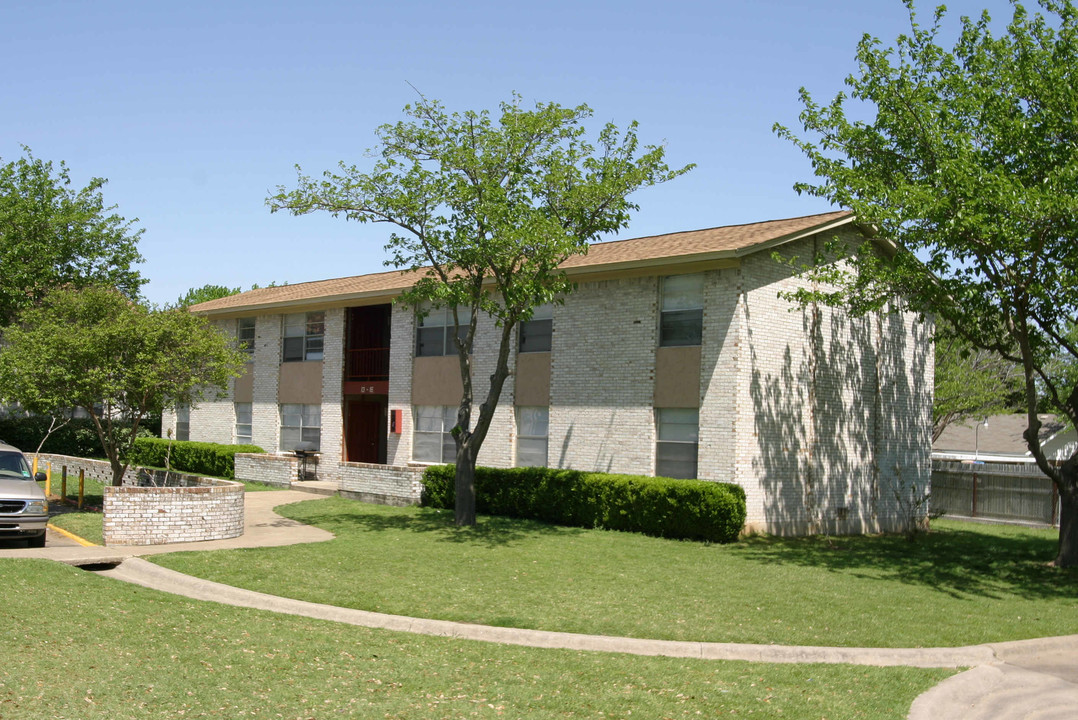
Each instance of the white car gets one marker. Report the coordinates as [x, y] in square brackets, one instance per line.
[24, 510]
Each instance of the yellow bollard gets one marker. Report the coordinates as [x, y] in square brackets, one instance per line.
[82, 479]
[48, 479]
[63, 483]
[35, 466]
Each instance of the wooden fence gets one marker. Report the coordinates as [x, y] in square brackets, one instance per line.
[1015, 492]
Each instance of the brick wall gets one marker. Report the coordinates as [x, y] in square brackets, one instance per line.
[602, 378]
[332, 433]
[212, 510]
[268, 469]
[141, 512]
[265, 416]
[830, 408]
[401, 352]
[383, 484]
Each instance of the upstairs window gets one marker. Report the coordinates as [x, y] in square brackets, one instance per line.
[245, 335]
[678, 440]
[433, 436]
[536, 334]
[434, 332]
[303, 336]
[682, 321]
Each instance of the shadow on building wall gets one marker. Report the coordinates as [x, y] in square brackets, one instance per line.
[840, 421]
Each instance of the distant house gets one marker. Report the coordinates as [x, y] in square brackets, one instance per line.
[675, 356]
[999, 438]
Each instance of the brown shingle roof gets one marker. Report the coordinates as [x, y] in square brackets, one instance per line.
[731, 241]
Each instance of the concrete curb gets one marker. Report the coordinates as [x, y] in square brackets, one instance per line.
[146, 574]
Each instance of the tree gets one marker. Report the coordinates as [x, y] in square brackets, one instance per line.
[53, 235]
[969, 164]
[971, 383]
[93, 348]
[489, 209]
[205, 293]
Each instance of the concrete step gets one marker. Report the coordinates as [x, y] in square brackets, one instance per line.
[316, 487]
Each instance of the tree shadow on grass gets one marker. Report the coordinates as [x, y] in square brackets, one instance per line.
[954, 561]
[491, 531]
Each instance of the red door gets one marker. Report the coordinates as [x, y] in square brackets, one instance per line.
[364, 430]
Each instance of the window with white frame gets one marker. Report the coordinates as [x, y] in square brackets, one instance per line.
[183, 422]
[303, 336]
[678, 439]
[300, 424]
[245, 335]
[682, 319]
[243, 423]
[432, 439]
[434, 331]
[532, 430]
[536, 334]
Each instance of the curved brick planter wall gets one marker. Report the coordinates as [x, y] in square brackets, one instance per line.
[197, 509]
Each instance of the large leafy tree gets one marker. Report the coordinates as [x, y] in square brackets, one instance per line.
[94, 349]
[968, 162]
[53, 235]
[972, 383]
[487, 208]
[207, 292]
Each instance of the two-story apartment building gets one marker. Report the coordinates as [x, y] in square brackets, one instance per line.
[675, 355]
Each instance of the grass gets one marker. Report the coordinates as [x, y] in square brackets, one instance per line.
[88, 647]
[962, 584]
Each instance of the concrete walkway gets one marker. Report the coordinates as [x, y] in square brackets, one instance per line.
[1023, 680]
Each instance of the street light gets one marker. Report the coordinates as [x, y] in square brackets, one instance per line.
[977, 439]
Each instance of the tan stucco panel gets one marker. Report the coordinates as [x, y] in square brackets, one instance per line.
[436, 381]
[533, 379]
[300, 382]
[677, 377]
[244, 389]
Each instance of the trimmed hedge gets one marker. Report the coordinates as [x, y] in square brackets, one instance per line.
[78, 438]
[689, 509]
[198, 458]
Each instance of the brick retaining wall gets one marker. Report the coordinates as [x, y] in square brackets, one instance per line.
[382, 484]
[270, 469]
[140, 512]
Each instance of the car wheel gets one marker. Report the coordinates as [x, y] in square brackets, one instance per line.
[37, 542]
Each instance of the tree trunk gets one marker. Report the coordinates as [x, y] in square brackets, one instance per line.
[1068, 515]
[464, 507]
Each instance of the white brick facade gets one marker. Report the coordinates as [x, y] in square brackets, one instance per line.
[820, 417]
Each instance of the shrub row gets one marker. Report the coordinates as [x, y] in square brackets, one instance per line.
[689, 509]
[198, 458]
[78, 438]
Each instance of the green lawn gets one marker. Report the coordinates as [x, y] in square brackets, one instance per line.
[88, 647]
[962, 584]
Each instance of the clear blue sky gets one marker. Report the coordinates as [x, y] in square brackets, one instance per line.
[195, 110]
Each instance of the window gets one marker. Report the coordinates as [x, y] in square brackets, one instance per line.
[678, 433]
[303, 335]
[183, 422]
[535, 334]
[433, 439]
[682, 321]
[300, 424]
[532, 430]
[245, 335]
[434, 332]
[243, 423]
